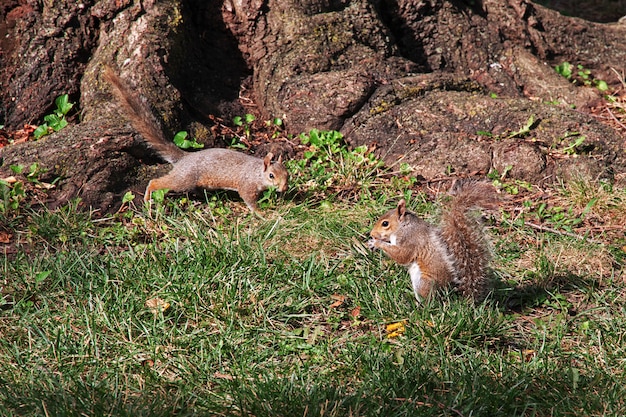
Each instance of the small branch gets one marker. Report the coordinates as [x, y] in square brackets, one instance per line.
[622, 125]
[561, 232]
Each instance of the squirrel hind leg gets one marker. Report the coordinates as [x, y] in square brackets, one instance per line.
[149, 189]
[422, 285]
[169, 182]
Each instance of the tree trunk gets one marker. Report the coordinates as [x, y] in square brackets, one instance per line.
[446, 86]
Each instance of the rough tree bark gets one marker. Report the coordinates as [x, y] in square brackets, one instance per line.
[417, 79]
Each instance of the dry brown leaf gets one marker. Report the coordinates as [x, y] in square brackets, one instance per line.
[5, 237]
[339, 300]
[157, 305]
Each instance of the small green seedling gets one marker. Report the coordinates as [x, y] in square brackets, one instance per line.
[41, 276]
[245, 122]
[180, 140]
[511, 186]
[573, 147]
[56, 120]
[11, 195]
[530, 123]
[277, 123]
[580, 74]
[565, 69]
[158, 196]
[128, 197]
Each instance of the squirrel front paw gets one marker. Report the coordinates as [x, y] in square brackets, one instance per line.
[371, 244]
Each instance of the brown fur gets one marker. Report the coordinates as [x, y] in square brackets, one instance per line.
[211, 169]
[456, 252]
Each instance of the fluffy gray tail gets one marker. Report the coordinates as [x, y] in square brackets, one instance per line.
[141, 118]
[462, 230]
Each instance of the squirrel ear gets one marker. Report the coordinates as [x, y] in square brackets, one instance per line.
[280, 158]
[401, 207]
[267, 160]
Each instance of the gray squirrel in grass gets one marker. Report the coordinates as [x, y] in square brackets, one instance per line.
[456, 252]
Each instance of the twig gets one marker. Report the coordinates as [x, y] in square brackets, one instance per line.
[622, 125]
[560, 232]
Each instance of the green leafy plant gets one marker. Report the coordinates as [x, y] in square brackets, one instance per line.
[11, 194]
[328, 165]
[277, 123]
[56, 120]
[580, 74]
[245, 122]
[574, 143]
[511, 186]
[13, 190]
[560, 217]
[530, 123]
[236, 143]
[565, 69]
[180, 139]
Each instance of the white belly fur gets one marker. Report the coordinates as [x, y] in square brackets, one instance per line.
[416, 278]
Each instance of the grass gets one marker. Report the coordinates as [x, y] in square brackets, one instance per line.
[286, 316]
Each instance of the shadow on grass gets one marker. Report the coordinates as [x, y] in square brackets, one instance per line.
[517, 298]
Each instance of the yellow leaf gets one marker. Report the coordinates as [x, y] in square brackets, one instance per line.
[398, 326]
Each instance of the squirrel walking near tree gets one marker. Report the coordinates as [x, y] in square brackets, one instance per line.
[457, 252]
[212, 169]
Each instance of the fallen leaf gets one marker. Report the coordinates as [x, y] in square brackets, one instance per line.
[23, 135]
[339, 299]
[529, 354]
[44, 185]
[356, 311]
[5, 237]
[398, 326]
[395, 329]
[157, 305]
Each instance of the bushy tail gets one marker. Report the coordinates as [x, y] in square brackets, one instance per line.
[463, 232]
[142, 119]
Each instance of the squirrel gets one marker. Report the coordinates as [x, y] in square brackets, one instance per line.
[457, 252]
[212, 169]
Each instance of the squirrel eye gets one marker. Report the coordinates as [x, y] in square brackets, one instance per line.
[385, 223]
[271, 175]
